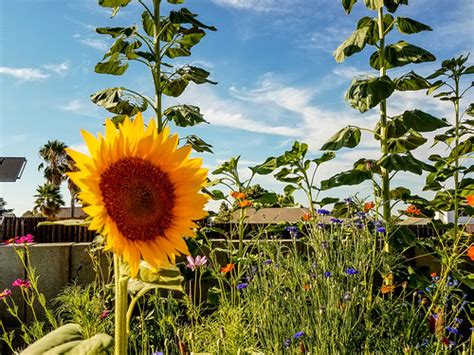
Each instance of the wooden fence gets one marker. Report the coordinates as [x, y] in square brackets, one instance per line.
[11, 227]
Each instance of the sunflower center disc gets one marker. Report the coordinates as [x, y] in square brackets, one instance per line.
[139, 197]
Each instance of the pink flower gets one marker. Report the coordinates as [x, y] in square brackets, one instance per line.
[6, 292]
[195, 263]
[105, 313]
[21, 283]
[24, 239]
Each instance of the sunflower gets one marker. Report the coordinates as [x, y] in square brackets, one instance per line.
[141, 191]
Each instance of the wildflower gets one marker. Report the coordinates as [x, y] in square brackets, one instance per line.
[242, 285]
[470, 200]
[327, 274]
[227, 268]
[307, 217]
[6, 292]
[268, 262]
[24, 239]
[323, 212]
[245, 203]
[21, 283]
[195, 263]
[158, 353]
[141, 190]
[348, 201]
[381, 230]
[105, 313]
[470, 252]
[387, 289]
[336, 220]
[287, 343]
[298, 335]
[324, 244]
[453, 283]
[347, 296]
[368, 206]
[322, 310]
[293, 231]
[433, 275]
[360, 214]
[351, 271]
[458, 320]
[411, 209]
[321, 225]
[238, 195]
[405, 284]
[307, 286]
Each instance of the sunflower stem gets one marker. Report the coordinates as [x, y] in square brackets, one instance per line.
[121, 281]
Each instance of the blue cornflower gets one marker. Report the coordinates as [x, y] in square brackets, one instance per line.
[452, 330]
[327, 274]
[453, 283]
[336, 220]
[322, 211]
[298, 335]
[378, 223]
[293, 231]
[359, 224]
[287, 343]
[458, 320]
[268, 262]
[381, 230]
[321, 225]
[157, 353]
[348, 201]
[360, 214]
[242, 286]
[351, 271]
[425, 343]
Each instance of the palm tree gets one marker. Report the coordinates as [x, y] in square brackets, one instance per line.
[54, 154]
[3, 207]
[72, 187]
[48, 200]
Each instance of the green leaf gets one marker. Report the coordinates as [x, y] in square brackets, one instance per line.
[392, 5]
[174, 52]
[364, 94]
[435, 86]
[346, 137]
[354, 44]
[114, 65]
[400, 54]
[114, 3]
[351, 177]
[422, 122]
[115, 100]
[410, 82]
[175, 87]
[399, 192]
[267, 167]
[191, 37]
[405, 162]
[289, 189]
[66, 222]
[124, 47]
[469, 70]
[327, 201]
[195, 74]
[327, 156]
[374, 4]
[176, 2]
[284, 176]
[216, 194]
[184, 115]
[198, 144]
[268, 198]
[408, 26]
[470, 111]
[148, 23]
[116, 31]
[406, 143]
[168, 278]
[347, 5]
[183, 15]
[227, 166]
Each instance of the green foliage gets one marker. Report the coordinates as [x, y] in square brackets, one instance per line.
[148, 278]
[364, 94]
[48, 200]
[346, 137]
[400, 54]
[150, 43]
[3, 207]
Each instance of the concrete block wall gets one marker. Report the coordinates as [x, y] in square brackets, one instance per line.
[56, 265]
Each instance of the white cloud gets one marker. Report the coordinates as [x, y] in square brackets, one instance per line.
[60, 68]
[257, 5]
[95, 43]
[80, 107]
[80, 148]
[24, 74]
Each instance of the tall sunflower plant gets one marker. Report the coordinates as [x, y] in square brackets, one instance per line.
[143, 195]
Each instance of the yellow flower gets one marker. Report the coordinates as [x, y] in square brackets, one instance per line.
[387, 289]
[142, 192]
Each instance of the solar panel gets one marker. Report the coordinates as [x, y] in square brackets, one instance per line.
[11, 168]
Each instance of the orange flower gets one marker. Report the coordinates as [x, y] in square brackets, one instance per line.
[413, 210]
[307, 287]
[433, 274]
[245, 203]
[234, 194]
[470, 200]
[368, 206]
[470, 252]
[238, 195]
[227, 268]
[307, 217]
[387, 289]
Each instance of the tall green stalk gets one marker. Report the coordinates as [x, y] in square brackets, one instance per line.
[156, 69]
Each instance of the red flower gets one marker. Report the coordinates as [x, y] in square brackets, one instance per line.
[413, 210]
[368, 206]
[470, 200]
[470, 252]
[227, 268]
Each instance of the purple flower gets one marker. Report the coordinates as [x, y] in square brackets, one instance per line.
[347, 296]
[360, 214]
[378, 223]
[323, 212]
[336, 220]
[293, 231]
[242, 285]
[196, 263]
[348, 201]
[321, 225]
[268, 262]
[452, 330]
[381, 230]
[158, 353]
[351, 271]
[5, 293]
[298, 335]
[287, 343]
[24, 239]
[327, 274]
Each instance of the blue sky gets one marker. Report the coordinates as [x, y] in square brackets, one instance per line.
[278, 81]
